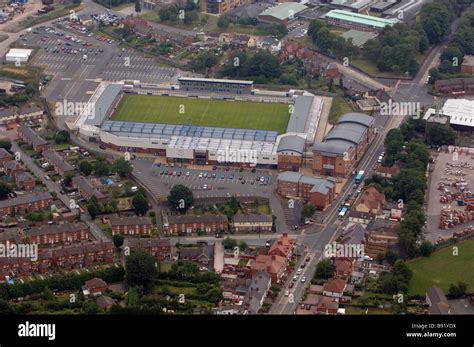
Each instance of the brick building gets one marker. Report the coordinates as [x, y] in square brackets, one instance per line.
[160, 249]
[132, 226]
[190, 224]
[23, 204]
[290, 153]
[86, 189]
[467, 65]
[12, 168]
[63, 233]
[31, 137]
[455, 86]
[60, 166]
[25, 181]
[84, 255]
[252, 223]
[345, 144]
[318, 191]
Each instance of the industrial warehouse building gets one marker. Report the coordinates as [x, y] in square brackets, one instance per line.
[460, 113]
[351, 20]
[18, 55]
[344, 145]
[282, 13]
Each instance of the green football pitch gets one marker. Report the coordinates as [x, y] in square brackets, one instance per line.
[203, 112]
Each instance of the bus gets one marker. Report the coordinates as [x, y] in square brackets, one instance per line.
[343, 212]
[359, 176]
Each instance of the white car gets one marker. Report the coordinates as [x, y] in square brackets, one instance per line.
[204, 187]
[200, 175]
[287, 293]
[299, 271]
[303, 279]
[295, 278]
[188, 173]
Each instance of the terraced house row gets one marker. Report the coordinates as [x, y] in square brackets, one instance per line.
[67, 257]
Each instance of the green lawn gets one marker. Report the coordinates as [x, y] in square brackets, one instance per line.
[202, 112]
[443, 268]
[339, 107]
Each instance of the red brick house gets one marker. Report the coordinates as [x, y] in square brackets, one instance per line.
[4, 156]
[64, 233]
[86, 189]
[132, 226]
[190, 224]
[23, 204]
[282, 247]
[30, 136]
[160, 249]
[12, 168]
[388, 172]
[84, 255]
[25, 181]
[275, 265]
[334, 288]
[95, 286]
[60, 166]
[372, 201]
[343, 267]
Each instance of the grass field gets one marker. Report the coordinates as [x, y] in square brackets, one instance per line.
[443, 268]
[202, 112]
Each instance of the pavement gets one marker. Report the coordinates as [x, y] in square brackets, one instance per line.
[54, 187]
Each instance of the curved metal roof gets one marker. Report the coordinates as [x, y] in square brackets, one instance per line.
[352, 132]
[291, 143]
[355, 117]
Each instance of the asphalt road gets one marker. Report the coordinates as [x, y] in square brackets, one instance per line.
[54, 187]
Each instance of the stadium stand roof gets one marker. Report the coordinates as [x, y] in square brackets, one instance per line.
[301, 111]
[214, 80]
[102, 103]
[137, 129]
[372, 21]
[291, 143]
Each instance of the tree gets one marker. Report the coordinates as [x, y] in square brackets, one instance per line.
[93, 206]
[89, 307]
[325, 269]
[426, 248]
[118, 240]
[214, 295]
[5, 189]
[6, 144]
[48, 294]
[229, 243]
[138, 6]
[307, 212]
[457, 291]
[181, 198]
[223, 22]
[122, 167]
[67, 181]
[140, 204]
[440, 135]
[85, 168]
[62, 136]
[101, 168]
[140, 269]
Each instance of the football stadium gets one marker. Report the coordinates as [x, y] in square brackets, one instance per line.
[196, 120]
